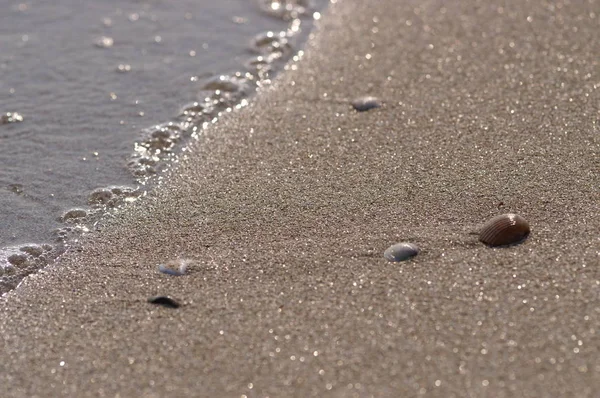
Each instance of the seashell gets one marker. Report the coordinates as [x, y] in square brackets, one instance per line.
[366, 103]
[164, 301]
[505, 229]
[174, 267]
[401, 251]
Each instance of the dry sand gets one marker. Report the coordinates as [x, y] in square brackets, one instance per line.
[288, 205]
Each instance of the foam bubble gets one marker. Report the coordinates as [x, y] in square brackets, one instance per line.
[112, 196]
[17, 259]
[224, 91]
[16, 262]
[33, 250]
[15, 188]
[104, 42]
[73, 214]
[123, 68]
[259, 63]
[11, 117]
[286, 9]
[100, 196]
[226, 83]
[70, 233]
[273, 44]
[196, 109]
[157, 143]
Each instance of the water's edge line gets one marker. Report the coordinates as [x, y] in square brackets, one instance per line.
[107, 203]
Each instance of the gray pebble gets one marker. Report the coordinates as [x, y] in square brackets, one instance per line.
[165, 301]
[366, 103]
[176, 267]
[401, 251]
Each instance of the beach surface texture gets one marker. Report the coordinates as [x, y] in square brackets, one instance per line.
[285, 208]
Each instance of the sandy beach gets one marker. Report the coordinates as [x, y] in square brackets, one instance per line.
[287, 205]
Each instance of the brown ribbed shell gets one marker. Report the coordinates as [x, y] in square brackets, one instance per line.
[504, 229]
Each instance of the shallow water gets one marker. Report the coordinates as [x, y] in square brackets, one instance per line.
[91, 79]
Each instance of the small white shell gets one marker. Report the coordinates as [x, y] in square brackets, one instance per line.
[401, 251]
[174, 267]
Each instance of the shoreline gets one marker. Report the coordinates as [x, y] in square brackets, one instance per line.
[286, 206]
[40, 231]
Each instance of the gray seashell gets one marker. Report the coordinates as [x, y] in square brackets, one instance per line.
[366, 103]
[401, 251]
[174, 267]
[505, 229]
[169, 271]
[165, 301]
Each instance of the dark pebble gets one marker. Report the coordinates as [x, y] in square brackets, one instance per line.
[164, 301]
[366, 103]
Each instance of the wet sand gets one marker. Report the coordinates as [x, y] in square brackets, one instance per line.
[288, 205]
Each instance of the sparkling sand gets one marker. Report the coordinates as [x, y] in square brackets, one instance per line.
[286, 207]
